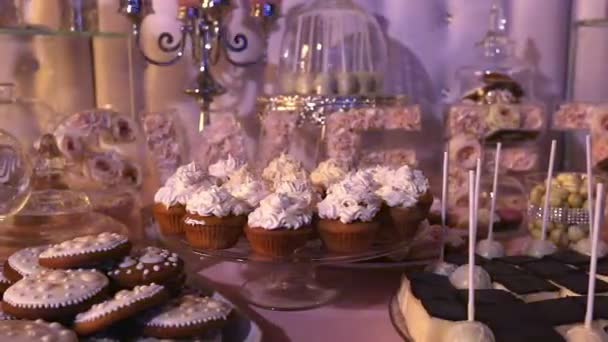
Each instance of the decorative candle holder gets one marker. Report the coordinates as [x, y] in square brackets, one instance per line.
[203, 27]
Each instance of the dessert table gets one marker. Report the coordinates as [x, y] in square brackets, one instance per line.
[360, 313]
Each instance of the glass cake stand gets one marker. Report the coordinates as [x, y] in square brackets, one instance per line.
[16, 234]
[291, 282]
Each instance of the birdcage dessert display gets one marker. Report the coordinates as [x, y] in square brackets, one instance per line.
[331, 102]
[332, 48]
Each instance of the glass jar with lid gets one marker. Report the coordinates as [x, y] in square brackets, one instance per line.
[496, 75]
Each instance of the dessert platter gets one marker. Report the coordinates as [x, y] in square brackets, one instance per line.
[101, 287]
[293, 220]
[546, 294]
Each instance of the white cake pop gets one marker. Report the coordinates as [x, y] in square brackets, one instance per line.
[579, 333]
[441, 267]
[490, 249]
[583, 246]
[459, 278]
[304, 84]
[348, 83]
[469, 331]
[325, 84]
[288, 83]
[540, 248]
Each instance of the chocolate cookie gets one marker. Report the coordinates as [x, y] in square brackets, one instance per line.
[187, 317]
[35, 331]
[22, 263]
[55, 295]
[125, 304]
[149, 265]
[85, 251]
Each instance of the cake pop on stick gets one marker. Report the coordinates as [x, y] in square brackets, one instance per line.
[583, 246]
[325, 82]
[470, 330]
[586, 332]
[304, 81]
[346, 80]
[540, 247]
[440, 266]
[490, 248]
[471, 275]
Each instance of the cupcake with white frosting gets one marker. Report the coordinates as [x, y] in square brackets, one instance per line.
[283, 168]
[244, 186]
[279, 226]
[327, 173]
[214, 218]
[348, 218]
[170, 200]
[406, 202]
[224, 168]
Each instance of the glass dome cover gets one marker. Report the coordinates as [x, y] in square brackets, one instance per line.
[332, 47]
[496, 75]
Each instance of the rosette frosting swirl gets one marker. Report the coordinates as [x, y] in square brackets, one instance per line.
[189, 175]
[327, 173]
[349, 204]
[180, 186]
[244, 186]
[403, 187]
[224, 168]
[215, 201]
[280, 210]
[283, 168]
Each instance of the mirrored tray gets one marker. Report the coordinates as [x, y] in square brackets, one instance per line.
[291, 283]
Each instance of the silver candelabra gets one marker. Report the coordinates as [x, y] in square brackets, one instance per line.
[202, 24]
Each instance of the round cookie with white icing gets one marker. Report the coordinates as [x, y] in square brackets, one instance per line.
[22, 263]
[125, 304]
[85, 251]
[187, 317]
[5, 283]
[35, 331]
[149, 265]
[55, 295]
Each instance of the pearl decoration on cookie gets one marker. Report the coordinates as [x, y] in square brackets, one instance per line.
[121, 300]
[85, 245]
[150, 259]
[25, 261]
[28, 292]
[190, 310]
[36, 331]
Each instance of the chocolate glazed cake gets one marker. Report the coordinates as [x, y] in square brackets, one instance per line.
[532, 299]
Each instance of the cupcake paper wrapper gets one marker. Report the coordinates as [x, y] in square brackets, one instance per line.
[170, 220]
[347, 238]
[216, 233]
[277, 242]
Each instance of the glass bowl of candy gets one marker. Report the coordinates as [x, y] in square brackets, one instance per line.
[568, 206]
